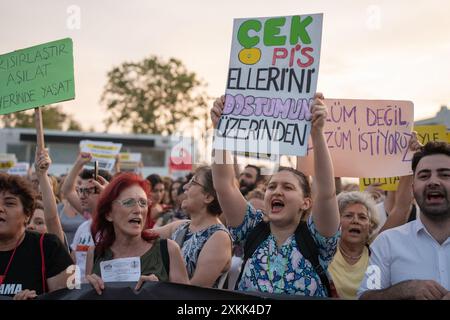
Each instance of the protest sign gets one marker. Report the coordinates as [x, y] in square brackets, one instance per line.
[7, 161]
[130, 161]
[387, 184]
[36, 76]
[431, 133]
[20, 169]
[424, 135]
[103, 152]
[272, 78]
[366, 138]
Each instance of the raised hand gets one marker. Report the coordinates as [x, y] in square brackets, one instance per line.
[42, 162]
[83, 158]
[319, 113]
[414, 144]
[216, 110]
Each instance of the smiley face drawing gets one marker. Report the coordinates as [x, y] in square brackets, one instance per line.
[249, 55]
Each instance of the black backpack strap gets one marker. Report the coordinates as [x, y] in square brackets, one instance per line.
[310, 252]
[165, 254]
[256, 236]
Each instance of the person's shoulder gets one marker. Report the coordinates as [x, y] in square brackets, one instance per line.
[31, 237]
[85, 224]
[394, 234]
[403, 230]
[51, 239]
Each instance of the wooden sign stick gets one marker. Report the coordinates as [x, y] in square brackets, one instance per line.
[39, 133]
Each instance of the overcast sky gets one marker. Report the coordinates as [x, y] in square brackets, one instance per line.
[370, 49]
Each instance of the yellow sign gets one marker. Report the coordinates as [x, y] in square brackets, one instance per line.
[7, 164]
[388, 184]
[431, 133]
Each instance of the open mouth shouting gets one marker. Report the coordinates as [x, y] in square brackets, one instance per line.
[354, 231]
[137, 222]
[434, 197]
[276, 205]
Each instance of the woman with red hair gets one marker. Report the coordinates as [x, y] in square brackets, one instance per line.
[118, 226]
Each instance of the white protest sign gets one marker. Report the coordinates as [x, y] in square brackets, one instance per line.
[130, 161]
[7, 161]
[122, 269]
[272, 78]
[103, 152]
[366, 138]
[20, 169]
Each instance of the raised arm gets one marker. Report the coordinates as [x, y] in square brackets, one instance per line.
[399, 214]
[325, 211]
[231, 200]
[68, 188]
[42, 163]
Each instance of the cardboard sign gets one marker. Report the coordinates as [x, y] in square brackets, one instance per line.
[431, 133]
[36, 76]
[20, 169]
[424, 135]
[103, 152]
[388, 184]
[367, 138]
[272, 78]
[7, 161]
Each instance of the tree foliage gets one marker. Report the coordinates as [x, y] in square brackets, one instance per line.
[52, 118]
[153, 96]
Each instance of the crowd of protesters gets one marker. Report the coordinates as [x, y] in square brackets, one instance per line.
[220, 227]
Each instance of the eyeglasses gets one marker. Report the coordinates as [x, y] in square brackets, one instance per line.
[193, 182]
[131, 202]
[87, 191]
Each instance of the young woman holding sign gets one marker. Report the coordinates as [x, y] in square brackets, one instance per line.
[276, 263]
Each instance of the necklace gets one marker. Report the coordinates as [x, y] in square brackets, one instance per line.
[349, 256]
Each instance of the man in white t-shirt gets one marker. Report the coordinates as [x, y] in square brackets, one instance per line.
[413, 261]
[83, 197]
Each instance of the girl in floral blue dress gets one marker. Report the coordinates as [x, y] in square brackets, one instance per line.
[277, 265]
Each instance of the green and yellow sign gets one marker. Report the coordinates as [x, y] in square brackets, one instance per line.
[36, 76]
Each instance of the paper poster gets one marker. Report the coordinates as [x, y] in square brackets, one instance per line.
[122, 269]
[20, 169]
[367, 138]
[431, 133]
[387, 184]
[36, 76]
[7, 161]
[272, 78]
[103, 152]
[130, 161]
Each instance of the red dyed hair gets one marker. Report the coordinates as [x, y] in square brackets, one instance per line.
[103, 230]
